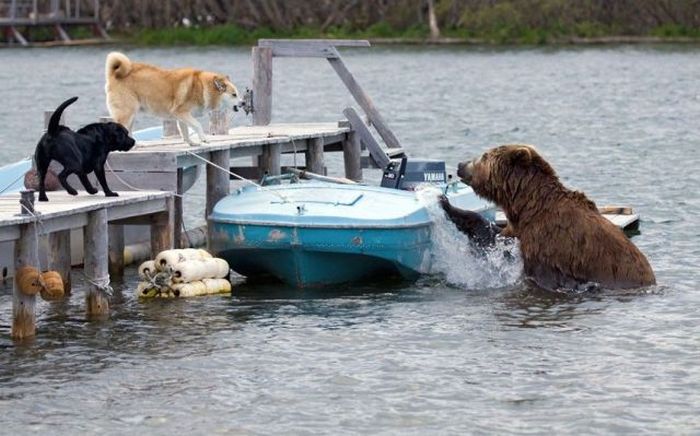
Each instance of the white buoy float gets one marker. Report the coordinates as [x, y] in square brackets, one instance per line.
[183, 273]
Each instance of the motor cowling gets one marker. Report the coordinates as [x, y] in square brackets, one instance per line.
[406, 174]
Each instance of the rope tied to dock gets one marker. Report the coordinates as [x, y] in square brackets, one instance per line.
[239, 177]
[37, 222]
[102, 283]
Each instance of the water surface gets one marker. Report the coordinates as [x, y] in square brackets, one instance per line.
[620, 123]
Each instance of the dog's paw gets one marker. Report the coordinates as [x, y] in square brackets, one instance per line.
[92, 191]
[43, 197]
[73, 192]
[111, 194]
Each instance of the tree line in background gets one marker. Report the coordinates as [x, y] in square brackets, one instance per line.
[498, 20]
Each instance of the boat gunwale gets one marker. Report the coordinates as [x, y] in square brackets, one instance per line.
[319, 225]
[216, 218]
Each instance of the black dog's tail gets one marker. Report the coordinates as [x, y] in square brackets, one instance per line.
[56, 116]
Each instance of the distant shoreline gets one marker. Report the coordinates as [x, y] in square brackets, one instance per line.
[602, 40]
[227, 35]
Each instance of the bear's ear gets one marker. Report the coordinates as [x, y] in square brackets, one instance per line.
[521, 156]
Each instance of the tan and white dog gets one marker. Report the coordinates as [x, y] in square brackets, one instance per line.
[131, 86]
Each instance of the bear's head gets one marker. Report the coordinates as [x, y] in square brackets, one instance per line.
[505, 172]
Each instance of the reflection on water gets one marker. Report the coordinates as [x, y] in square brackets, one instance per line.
[453, 353]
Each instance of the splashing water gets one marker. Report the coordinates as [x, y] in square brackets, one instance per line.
[459, 260]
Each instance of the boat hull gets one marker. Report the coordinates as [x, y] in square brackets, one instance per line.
[307, 257]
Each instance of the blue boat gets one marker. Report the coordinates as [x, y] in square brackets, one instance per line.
[317, 233]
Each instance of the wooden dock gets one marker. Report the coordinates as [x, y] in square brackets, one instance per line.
[18, 18]
[101, 218]
[150, 178]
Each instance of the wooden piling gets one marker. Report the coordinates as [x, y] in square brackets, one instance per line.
[352, 157]
[262, 86]
[217, 180]
[116, 250]
[314, 156]
[170, 128]
[47, 118]
[23, 314]
[177, 211]
[218, 122]
[271, 159]
[162, 230]
[59, 256]
[218, 184]
[95, 248]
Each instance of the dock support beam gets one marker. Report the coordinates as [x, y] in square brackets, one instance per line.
[95, 246]
[23, 315]
[352, 151]
[59, 256]
[314, 156]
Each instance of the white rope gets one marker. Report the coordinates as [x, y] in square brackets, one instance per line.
[228, 171]
[101, 283]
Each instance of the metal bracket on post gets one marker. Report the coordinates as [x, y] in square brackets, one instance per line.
[246, 102]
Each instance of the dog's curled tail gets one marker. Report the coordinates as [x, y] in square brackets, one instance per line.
[117, 65]
[55, 120]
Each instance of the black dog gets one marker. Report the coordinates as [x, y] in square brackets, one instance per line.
[80, 152]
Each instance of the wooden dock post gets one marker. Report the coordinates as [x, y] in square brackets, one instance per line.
[47, 118]
[162, 229]
[262, 86]
[178, 210]
[95, 247]
[116, 238]
[271, 159]
[217, 180]
[314, 156]
[59, 256]
[116, 250]
[23, 315]
[218, 122]
[170, 128]
[352, 151]
[218, 184]
[262, 106]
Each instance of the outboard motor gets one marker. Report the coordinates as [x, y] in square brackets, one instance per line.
[406, 174]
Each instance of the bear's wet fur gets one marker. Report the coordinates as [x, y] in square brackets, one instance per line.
[564, 240]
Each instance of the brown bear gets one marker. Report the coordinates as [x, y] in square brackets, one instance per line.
[565, 242]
